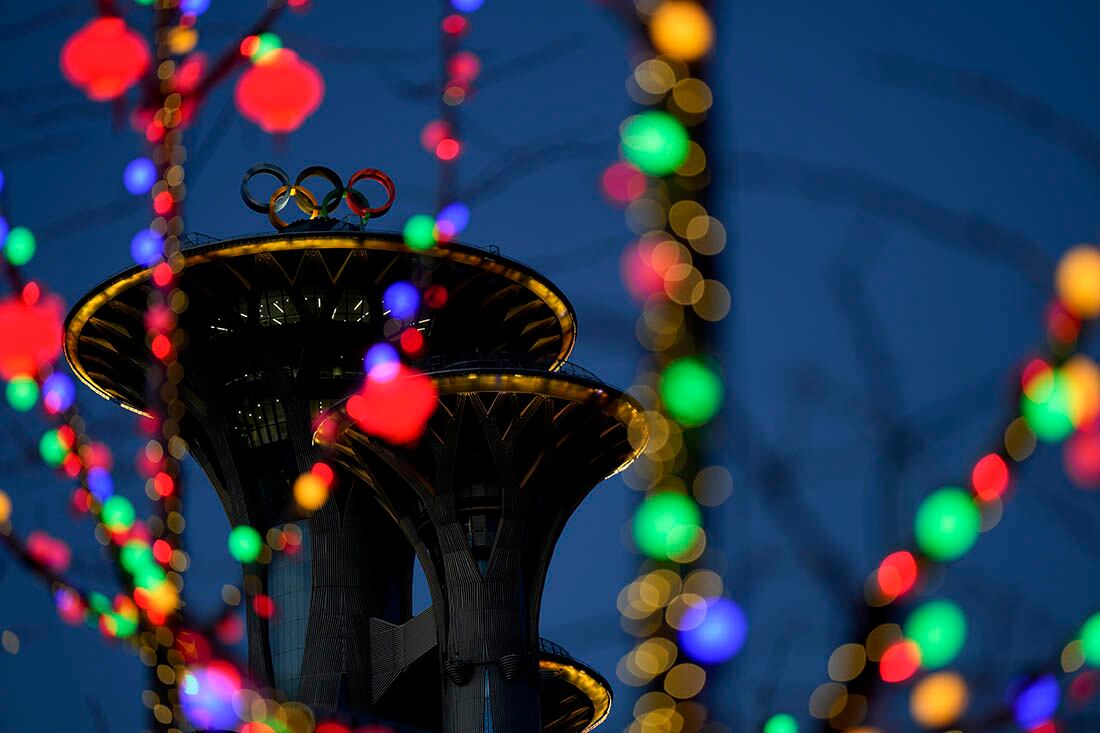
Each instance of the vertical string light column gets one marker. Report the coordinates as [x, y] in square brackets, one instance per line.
[161, 455]
[440, 137]
[677, 607]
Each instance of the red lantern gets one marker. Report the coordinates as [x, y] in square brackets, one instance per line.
[31, 335]
[104, 58]
[280, 92]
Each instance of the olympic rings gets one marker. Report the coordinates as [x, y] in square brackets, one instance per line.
[371, 174]
[284, 193]
[307, 201]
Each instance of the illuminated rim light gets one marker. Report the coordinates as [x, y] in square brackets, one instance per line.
[87, 307]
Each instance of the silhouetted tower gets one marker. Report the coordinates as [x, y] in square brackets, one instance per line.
[277, 327]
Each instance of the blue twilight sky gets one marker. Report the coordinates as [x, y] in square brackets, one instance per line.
[891, 249]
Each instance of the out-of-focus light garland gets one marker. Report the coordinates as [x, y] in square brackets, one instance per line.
[1058, 401]
[440, 136]
[684, 619]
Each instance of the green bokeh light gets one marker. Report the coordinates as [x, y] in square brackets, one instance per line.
[939, 629]
[655, 142]
[419, 232]
[1090, 640]
[1048, 410]
[666, 525]
[22, 393]
[267, 42]
[781, 723]
[245, 543]
[691, 391]
[118, 514]
[20, 245]
[947, 524]
[50, 447]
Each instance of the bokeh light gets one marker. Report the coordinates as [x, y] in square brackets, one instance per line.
[1035, 700]
[1090, 640]
[20, 246]
[719, 636]
[900, 661]
[118, 513]
[1081, 458]
[666, 524]
[691, 391]
[280, 92]
[245, 543]
[897, 573]
[5, 507]
[1078, 280]
[104, 58]
[990, 477]
[310, 491]
[58, 392]
[21, 393]
[452, 219]
[139, 175]
[146, 247]
[207, 694]
[381, 355]
[681, 29]
[655, 142]
[1046, 405]
[947, 524]
[419, 232]
[394, 405]
[781, 723]
[939, 699]
[939, 629]
[401, 300]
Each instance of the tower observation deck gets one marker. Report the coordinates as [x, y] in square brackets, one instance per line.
[277, 327]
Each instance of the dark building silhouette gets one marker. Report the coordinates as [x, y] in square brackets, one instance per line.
[277, 327]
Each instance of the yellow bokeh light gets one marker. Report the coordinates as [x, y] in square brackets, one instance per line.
[5, 507]
[939, 699]
[310, 492]
[685, 680]
[682, 30]
[1078, 280]
[847, 662]
[1083, 376]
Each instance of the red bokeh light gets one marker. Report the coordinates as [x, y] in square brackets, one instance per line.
[622, 183]
[434, 133]
[464, 67]
[1045, 727]
[435, 296]
[162, 275]
[1081, 458]
[162, 551]
[412, 341]
[163, 202]
[899, 662]
[31, 293]
[897, 573]
[455, 25]
[161, 347]
[323, 471]
[48, 551]
[331, 727]
[104, 58]
[990, 477]
[394, 404]
[279, 94]
[448, 149]
[32, 335]
[264, 605]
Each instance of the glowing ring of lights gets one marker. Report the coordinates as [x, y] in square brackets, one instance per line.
[262, 207]
[372, 174]
[331, 199]
[285, 193]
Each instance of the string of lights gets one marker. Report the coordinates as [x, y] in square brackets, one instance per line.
[685, 620]
[1058, 402]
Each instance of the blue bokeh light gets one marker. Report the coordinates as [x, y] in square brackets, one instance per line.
[401, 300]
[100, 483]
[139, 176]
[453, 219]
[380, 355]
[194, 7]
[58, 392]
[146, 247]
[719, 636]
[4, 229]
[1036, 700]
[467, 6]
[206, 696]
